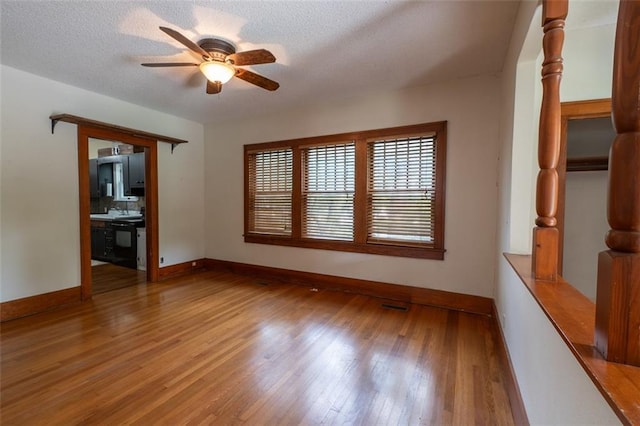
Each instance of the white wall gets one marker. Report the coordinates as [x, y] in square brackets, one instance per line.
[39, 232]
[524, 157]
[471, 107]
[554, 388]
[585, 228]
[588, 63]
[96, 144]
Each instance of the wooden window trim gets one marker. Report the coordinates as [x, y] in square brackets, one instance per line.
[359, 245]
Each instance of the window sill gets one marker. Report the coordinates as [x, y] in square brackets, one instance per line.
[381, 249]
[573, 316]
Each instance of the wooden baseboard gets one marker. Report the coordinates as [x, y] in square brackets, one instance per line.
[44, 302]
[403, 293]
[515, 398]
[39, 303]
[423, 296]
[181, 269]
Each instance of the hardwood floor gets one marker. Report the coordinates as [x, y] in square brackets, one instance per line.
[107, 277]
[218, 348]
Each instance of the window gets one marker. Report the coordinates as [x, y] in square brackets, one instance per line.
[377, 191]
[401, 190]
[328, 191]
[271, 179]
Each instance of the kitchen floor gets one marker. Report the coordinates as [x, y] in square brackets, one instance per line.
[106, 277]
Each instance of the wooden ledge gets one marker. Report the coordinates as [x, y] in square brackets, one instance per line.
[81, 121]
[573, 315]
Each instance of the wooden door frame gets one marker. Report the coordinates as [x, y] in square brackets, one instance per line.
[577, 110]
[151, 200]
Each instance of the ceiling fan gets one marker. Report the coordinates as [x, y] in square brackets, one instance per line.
[220, 62]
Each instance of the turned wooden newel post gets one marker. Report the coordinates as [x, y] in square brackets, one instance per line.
[618, 295]
[545, 234]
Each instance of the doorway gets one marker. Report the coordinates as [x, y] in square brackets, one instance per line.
[587, 134]
[118, 200]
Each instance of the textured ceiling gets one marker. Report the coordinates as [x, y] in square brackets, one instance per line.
[325, 50]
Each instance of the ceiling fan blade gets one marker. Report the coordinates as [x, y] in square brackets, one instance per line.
[169, 64]
[252, 57]
[256, 79]
[185, 41]
[213, 87]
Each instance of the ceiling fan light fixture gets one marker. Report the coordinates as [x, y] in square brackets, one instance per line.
[219, 59]
[217, 71]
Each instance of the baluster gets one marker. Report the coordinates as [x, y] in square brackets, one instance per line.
[618, 294]
[545, 235]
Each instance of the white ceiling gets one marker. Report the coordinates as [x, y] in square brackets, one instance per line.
[325, 50]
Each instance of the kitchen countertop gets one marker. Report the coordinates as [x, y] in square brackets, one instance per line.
[110, 217]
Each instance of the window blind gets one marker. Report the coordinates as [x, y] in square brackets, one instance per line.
[401, 190]
[270, 186]
[328, 191]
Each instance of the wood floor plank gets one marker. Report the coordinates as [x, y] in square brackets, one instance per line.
[107, 277]
[218, 348]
